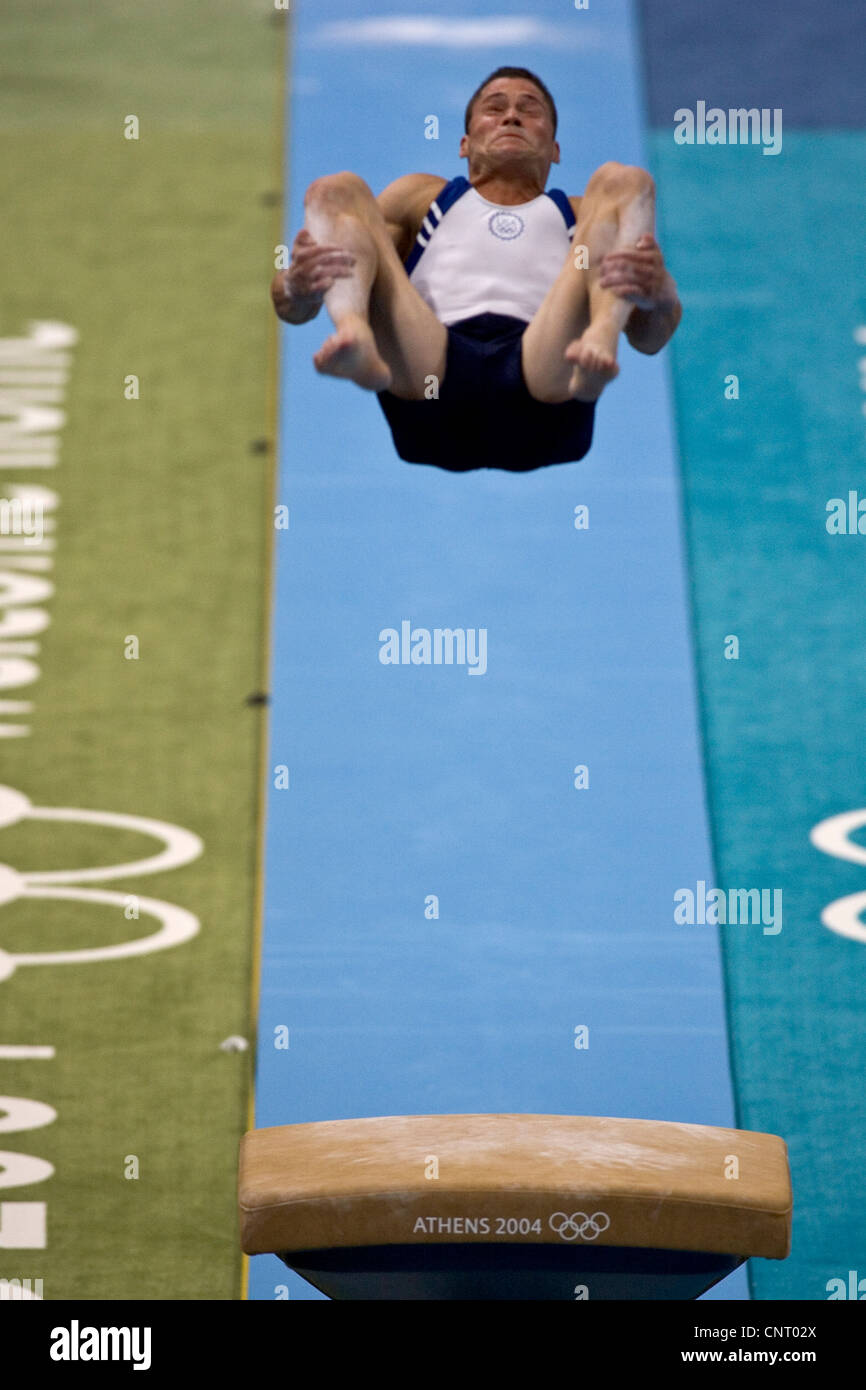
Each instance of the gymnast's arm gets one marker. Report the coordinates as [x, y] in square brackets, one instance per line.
[404, 205]
[648, 330]
[641, 275]
[297, 293]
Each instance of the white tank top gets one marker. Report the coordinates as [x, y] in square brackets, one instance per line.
[476, 257]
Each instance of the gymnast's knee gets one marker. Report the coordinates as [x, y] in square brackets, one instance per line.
[338, 189]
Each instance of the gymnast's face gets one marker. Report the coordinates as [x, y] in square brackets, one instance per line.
[511, 126]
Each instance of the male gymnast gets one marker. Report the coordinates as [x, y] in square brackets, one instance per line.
[485, 311]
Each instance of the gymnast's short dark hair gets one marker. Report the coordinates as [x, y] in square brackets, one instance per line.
[513, 72]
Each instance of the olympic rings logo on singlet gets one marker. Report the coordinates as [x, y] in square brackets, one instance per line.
[506, 225]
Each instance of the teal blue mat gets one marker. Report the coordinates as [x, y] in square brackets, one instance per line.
[768, 253]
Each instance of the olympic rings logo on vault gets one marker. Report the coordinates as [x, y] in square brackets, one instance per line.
[176, 924]
[579, 1224]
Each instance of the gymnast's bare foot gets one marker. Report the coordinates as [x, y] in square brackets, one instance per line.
[351, 352]
[594, 356]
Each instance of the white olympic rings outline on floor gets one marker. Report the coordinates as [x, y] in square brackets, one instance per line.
[831, 837]
[176, 923]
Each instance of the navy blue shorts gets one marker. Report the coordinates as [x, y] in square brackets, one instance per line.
[484, 416]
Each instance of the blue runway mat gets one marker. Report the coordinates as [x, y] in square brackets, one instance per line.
[411, 786]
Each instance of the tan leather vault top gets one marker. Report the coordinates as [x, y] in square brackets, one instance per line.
[415, 1179]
